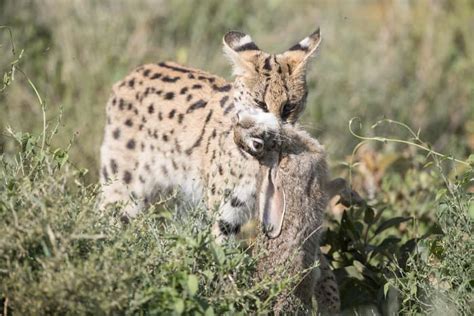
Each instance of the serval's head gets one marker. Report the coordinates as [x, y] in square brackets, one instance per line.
[269, 87]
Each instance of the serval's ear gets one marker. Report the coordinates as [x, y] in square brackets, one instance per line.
[242, 52]
[298, 54]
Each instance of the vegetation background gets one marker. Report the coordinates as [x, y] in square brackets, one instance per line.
[407, 250]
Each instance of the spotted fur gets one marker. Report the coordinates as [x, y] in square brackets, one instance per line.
[170, 126]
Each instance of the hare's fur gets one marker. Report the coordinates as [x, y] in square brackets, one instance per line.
[304, 178]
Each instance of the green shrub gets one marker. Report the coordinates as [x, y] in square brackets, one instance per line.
[59, 254]
[408, 250]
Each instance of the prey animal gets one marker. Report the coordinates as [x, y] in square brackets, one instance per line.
[292, 194]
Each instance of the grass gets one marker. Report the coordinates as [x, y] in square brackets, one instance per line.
[403, 251]
[60, 255]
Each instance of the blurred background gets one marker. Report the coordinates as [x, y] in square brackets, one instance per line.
[410, 61]
[406, 60]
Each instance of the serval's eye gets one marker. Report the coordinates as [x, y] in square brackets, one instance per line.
[261, 105]
[287, 109]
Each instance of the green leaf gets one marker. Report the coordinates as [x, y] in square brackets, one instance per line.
[354, 272]
[470, 160]
[358, 265]
[369, 215]
[391, 222]
[387, 243]
[208, 274]
[193, 284]
[179, 306]
[386, 287]
[218, 253]
[209, 311]
[441, 193]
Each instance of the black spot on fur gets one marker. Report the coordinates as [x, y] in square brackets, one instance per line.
[121, 104]
[177, 145]
[210, 79]
[129, 122]
[114, 101]
[227, 228]
[169, 95]
[127, 177]
[266, 64]
[151, 108]
[299, 47]
[248, 46]
[165, 137]
[220, 169]
[131, 83]
[229, 108]
[197, 105]
[172, 113]
[189, 97]
[224, 88]
[236, 202]
[180, 118]
[183, 90]
[289, 69]
[175, 68]
[169, 79]
[164, 170]
[160, 116]
[131, 144]
[116, 133]
[197, 143]
[113, 166]
[223, 100]
[196, 86]
[146, 73]
[155, 76]
[191, 76]
[105, 173]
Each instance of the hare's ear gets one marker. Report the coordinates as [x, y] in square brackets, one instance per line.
[241, 51]
[271, 199]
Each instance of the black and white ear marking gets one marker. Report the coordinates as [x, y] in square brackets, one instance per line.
[241, 50]
[239, 41]
[308, 44]
[297, 55]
